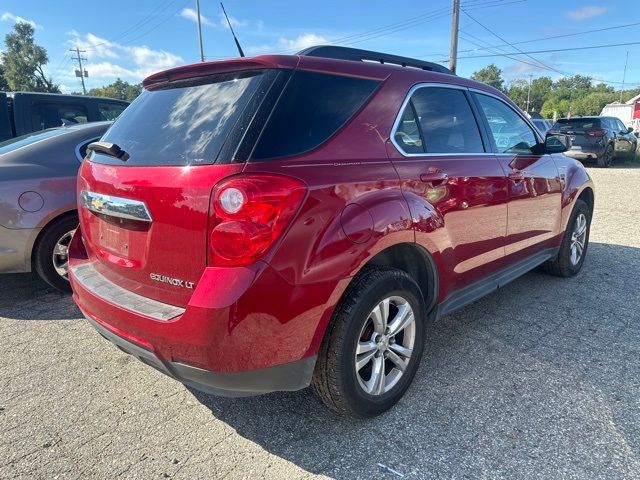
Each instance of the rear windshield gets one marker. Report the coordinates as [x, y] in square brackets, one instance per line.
[577, 124]
[185, 124]
[311, 109]
[29, 139]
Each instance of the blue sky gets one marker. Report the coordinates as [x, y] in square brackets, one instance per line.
[132, 38]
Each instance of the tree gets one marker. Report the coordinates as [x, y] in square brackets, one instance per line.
[3, 81]
[490, 75]
[118, 89]
[23, 61]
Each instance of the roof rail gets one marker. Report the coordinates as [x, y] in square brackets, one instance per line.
[357, 55]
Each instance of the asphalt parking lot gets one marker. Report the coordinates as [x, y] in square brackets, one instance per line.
[539, 380]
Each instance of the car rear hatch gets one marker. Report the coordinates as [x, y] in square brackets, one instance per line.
[144, 193]
[584, 132]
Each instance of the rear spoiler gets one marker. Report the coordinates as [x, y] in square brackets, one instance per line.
[224, 66]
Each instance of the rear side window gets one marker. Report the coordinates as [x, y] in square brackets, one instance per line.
[48, 115]
[184, 124]
[110, 111]
[312, 107]
[446, 122]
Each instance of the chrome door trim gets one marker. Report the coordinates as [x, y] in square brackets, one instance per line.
[115, 206]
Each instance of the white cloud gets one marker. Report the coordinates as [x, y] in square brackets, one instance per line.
[191, 14]
[134, 62]
[10, 17]
[585, 13]
[290, 45]
[235, 23]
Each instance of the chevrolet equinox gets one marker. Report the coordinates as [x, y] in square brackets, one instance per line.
[270, 223]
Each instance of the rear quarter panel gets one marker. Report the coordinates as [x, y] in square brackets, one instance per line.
[575, 180]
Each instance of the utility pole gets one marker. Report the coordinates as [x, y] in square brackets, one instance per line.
[529, 93]
[455, 20]
[200, 31]
[624, 75]
[82, 72]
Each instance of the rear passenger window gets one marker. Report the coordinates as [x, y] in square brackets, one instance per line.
[56, 115]
[509, 130]
[446, 121]
[312, 107]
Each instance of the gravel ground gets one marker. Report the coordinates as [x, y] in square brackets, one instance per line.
[538, 380]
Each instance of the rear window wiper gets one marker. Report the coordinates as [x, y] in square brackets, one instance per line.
[111, 149]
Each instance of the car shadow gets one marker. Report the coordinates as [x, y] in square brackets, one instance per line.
[530, 381]
[25, 296]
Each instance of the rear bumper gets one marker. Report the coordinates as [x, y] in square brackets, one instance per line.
[15, 249]
[291, 376]
[589, 151]
[244, 330]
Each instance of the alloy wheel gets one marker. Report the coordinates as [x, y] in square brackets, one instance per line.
[60, 255]
[578, 239]
[385, 345]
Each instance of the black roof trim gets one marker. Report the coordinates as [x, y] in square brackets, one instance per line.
[357, 55]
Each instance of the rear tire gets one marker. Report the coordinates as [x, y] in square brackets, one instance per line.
[566, 264]
[50, 256]
[360, 371]
[604, 161]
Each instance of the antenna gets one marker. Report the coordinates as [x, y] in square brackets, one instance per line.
[232, 32]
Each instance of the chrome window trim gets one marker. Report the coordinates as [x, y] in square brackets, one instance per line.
[536, 132]
[405, 102]
[115, 206]
[77, 149]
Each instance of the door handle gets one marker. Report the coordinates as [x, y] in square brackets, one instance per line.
[434, 178]
[516, 176]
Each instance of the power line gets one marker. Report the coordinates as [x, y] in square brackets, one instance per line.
[551, 50]
[553, 37]
[510, 44]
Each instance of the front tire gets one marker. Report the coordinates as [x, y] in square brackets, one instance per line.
[573, 249]
[50, 256]
[373, 345]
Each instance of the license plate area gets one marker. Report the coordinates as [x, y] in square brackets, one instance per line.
[122, 237]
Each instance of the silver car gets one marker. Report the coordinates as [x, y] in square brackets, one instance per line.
[38, 199]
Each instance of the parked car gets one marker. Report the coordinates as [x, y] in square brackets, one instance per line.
[26, 112]
[266, 223]
[38, 199]
[542, 125]
[598, 138]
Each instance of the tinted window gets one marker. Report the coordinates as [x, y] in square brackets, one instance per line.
[312, 107]
[621, 126]
[565, 124]
[447, 121]
[28, 139]
[110, 111]
[48, 115]
[185, 124]
[509, 130]
[407, 134]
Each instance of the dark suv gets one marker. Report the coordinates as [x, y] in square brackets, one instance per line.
[268, 223]
[598, 138]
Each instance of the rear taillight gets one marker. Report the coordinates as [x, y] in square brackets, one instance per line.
[248, 214]
[596, 133]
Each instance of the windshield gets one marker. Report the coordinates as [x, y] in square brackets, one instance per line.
[28, 139]
[184, 124]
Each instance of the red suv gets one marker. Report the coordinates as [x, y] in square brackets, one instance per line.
[267, 223]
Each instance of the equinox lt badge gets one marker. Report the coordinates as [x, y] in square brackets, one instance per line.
[173, 281]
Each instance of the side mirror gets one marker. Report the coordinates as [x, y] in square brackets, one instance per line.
[630, 130]
[557, 143]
